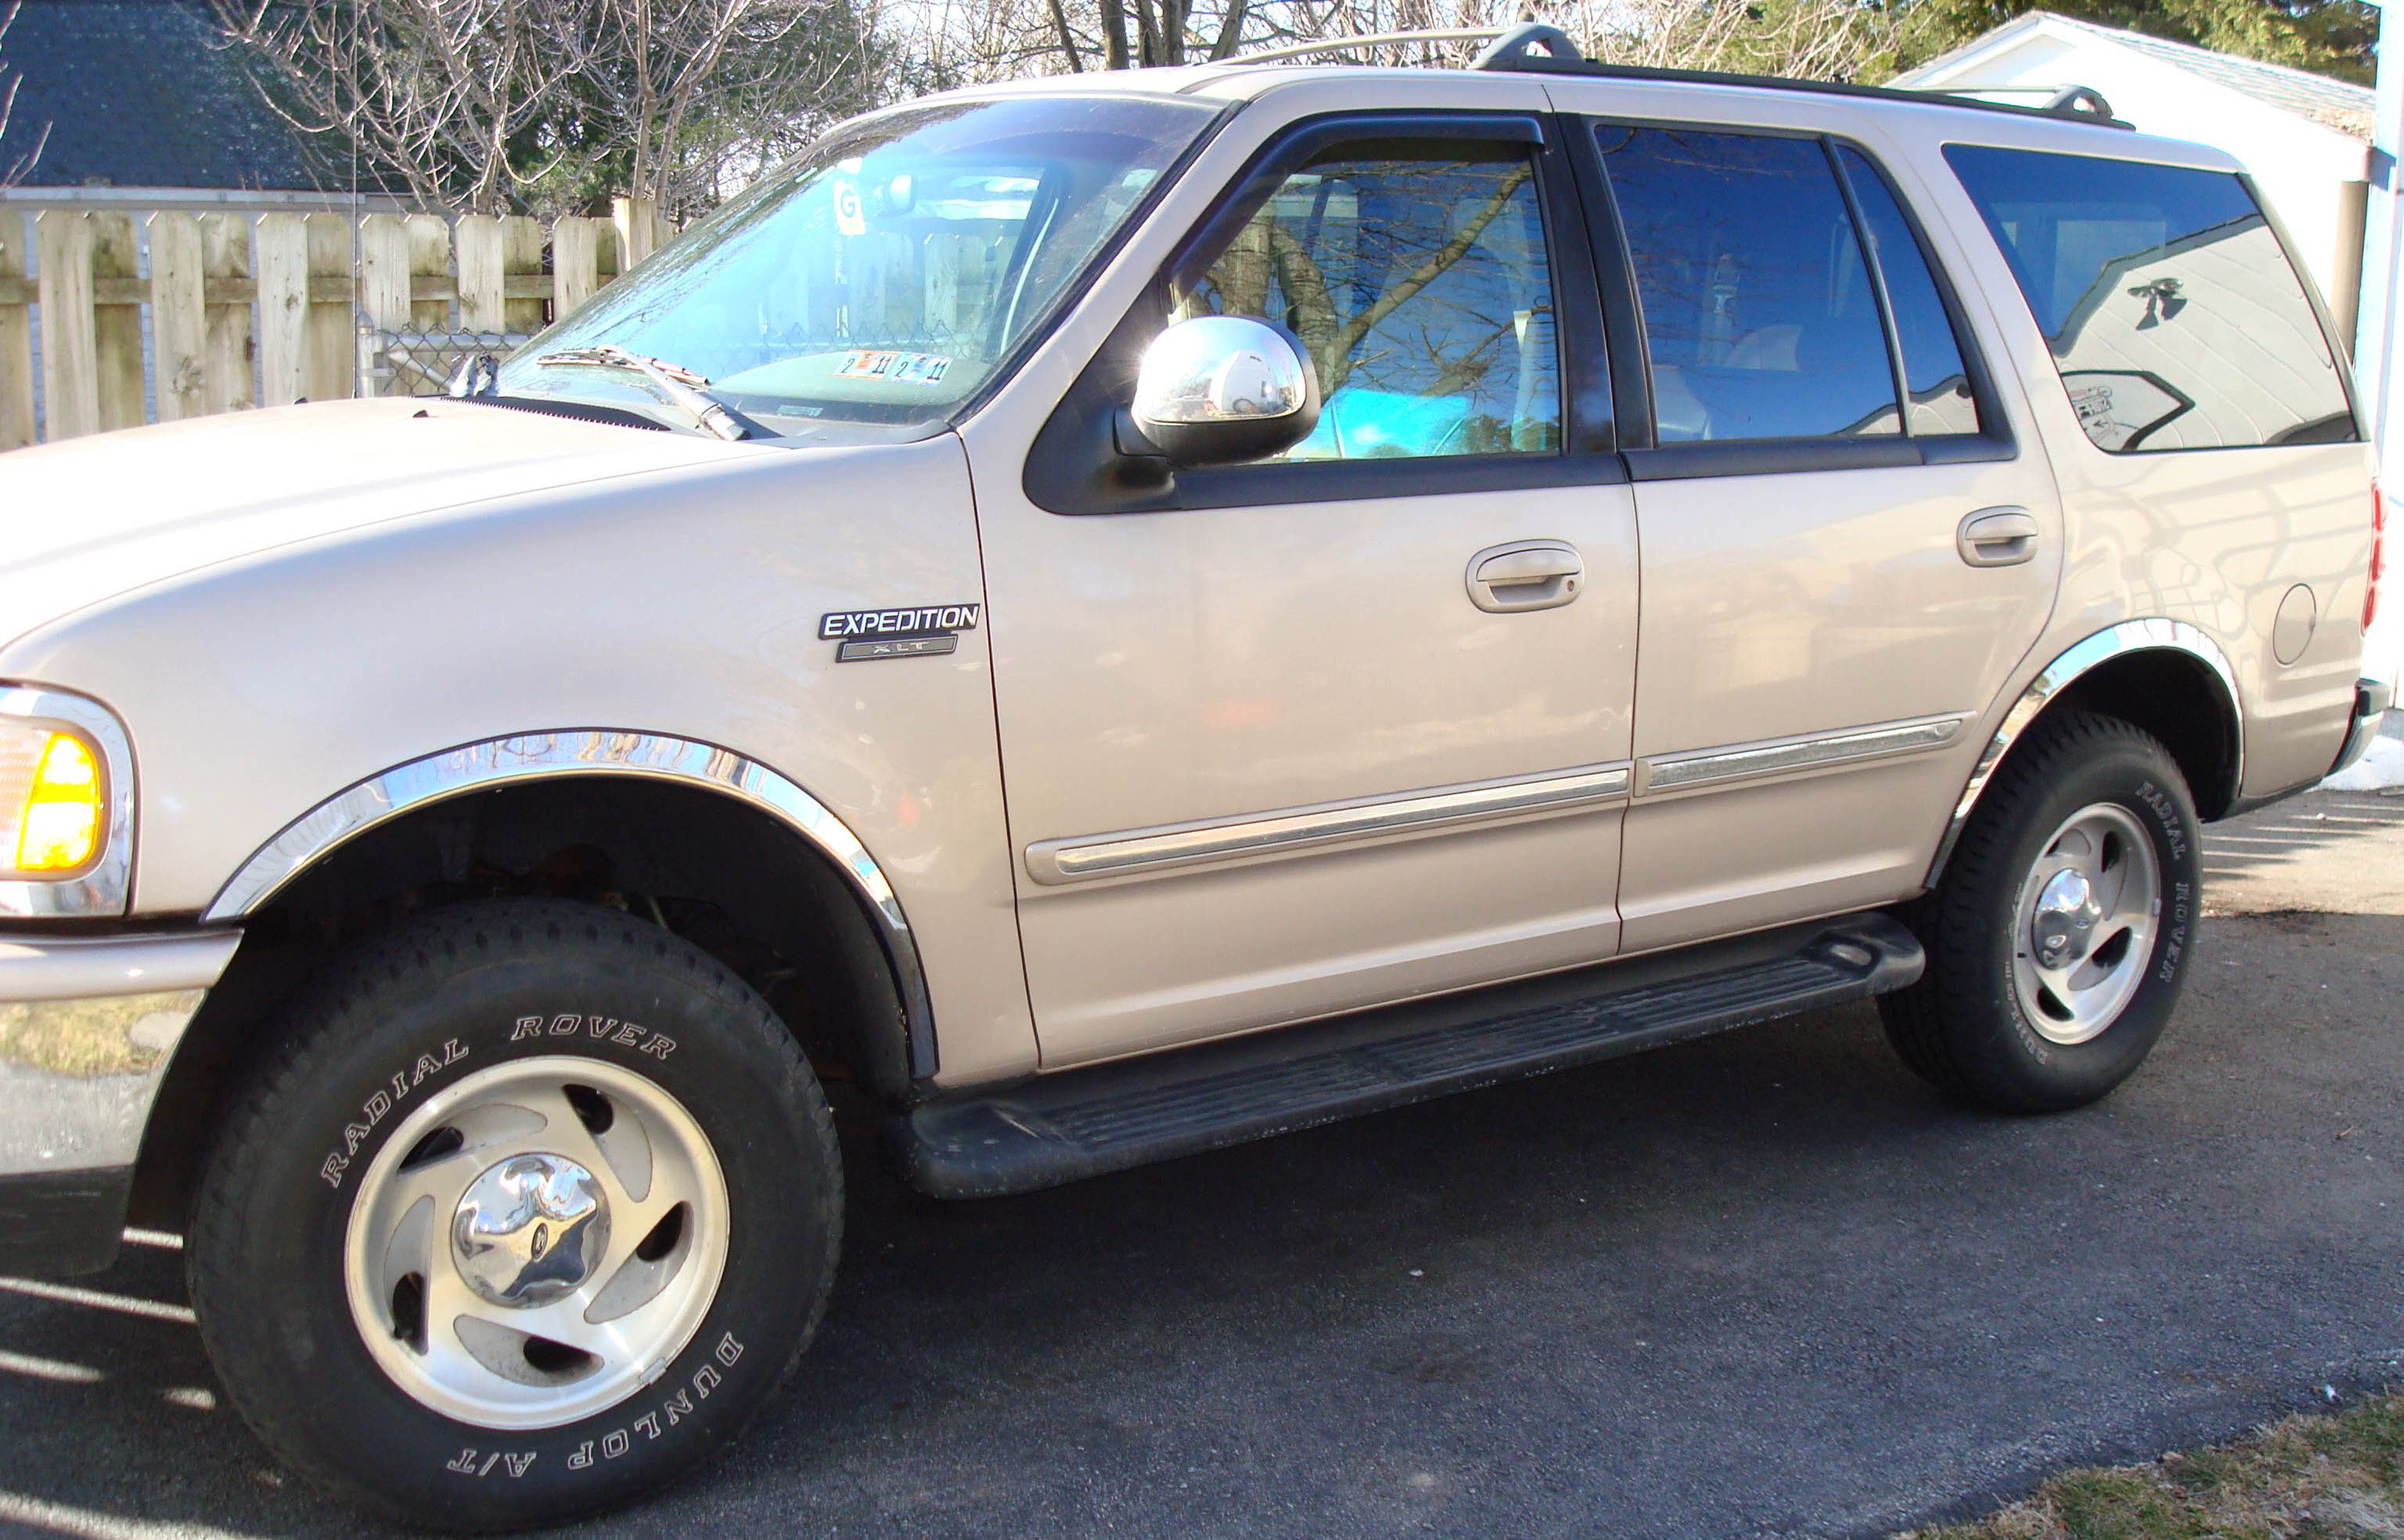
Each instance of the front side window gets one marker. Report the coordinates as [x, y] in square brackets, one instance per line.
[1760, 318]
[2171, 311]
[884, 277]
[1420, 287]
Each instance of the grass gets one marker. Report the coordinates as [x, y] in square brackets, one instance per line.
[86, 1038]
[2305, 1478]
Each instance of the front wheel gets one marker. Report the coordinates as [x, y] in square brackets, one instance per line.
[536, 1206]
[2059, 935]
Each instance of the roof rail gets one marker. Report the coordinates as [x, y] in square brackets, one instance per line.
[2080, 102]
[1539, 48]
[1510, 49]
[2073, 101]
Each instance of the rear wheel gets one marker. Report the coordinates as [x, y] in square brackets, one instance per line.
[535, 1208]
[2060, 934]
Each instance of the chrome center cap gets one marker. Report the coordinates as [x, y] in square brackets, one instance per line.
[530, 1231]
[2066, 916]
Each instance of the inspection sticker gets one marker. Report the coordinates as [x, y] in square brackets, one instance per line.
[899, 368]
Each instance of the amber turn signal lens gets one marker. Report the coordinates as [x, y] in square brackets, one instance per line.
[56, 795]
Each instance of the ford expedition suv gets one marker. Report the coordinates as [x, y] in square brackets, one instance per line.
[1116, 616]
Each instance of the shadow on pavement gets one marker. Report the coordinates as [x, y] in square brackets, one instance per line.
[2288, 835]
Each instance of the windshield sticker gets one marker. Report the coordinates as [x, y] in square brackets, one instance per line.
[848, 218]
[898, 368]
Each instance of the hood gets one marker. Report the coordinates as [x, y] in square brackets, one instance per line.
[92, 518]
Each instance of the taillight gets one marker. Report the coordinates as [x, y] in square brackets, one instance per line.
[2378, 558]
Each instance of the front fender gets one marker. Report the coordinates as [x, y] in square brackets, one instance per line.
[684, 601]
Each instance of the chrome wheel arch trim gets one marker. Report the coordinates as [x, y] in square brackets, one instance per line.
[593, 752]
[2157, 634]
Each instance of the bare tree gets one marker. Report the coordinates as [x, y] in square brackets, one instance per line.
[961, 41]
[676, 96]
[947, 42]
[493, 105]
[1810, 39]
[436, 93]
[14, 169]
[1806, 39]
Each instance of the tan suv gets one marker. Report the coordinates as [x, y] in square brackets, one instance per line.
[1118, 616]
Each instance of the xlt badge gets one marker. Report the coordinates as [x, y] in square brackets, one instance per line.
[921, 632]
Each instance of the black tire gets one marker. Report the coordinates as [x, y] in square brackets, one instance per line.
[266, 1246]
[1963, 1027]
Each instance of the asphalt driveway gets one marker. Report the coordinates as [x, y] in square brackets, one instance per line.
[1764, 1283]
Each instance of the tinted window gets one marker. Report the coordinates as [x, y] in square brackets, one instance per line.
[2171, 311]
[1940, 399]
[1758, 311]
[1421, 290]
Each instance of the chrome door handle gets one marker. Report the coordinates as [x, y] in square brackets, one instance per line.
[1525, 575]
[1997, 537]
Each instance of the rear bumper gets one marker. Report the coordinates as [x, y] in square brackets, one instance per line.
[87, 1028]
[2371, 699]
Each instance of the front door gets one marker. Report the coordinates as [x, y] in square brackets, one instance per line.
[1848, 546]
[1354, 724]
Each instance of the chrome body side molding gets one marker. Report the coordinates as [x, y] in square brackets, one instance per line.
[1085, 856]
[2155, 634]
[1811, 752]
[1088, 856]
[552, 756]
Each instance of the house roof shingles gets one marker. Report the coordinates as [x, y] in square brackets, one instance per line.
[2336, 103]
[140, 93]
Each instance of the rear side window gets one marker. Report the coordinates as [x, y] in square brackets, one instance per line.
[2171, 308]
[1760, 318]
[1940, 399]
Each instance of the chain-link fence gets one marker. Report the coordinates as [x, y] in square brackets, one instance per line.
[421, 363]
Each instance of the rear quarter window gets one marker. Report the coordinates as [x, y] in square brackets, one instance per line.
[2171, 308]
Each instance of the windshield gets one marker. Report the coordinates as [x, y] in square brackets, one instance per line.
[884, 276]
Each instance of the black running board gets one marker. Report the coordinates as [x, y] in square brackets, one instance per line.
[1078, 1122]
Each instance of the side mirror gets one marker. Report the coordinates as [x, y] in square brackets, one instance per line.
[1224, 389]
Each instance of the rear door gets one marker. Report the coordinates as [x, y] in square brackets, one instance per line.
[1849, 539]
[1288, 738]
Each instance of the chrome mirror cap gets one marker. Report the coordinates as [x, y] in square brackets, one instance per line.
[1221, 389]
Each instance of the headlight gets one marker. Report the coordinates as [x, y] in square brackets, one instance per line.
[66, 804]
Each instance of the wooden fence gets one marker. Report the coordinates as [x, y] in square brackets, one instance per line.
[239, 310]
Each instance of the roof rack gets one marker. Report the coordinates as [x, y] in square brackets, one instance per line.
[1515, 48]
[2082, 100]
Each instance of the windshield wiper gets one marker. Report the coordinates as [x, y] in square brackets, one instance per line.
[680, 386]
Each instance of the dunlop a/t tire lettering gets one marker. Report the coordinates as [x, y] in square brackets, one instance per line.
[460, 992]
